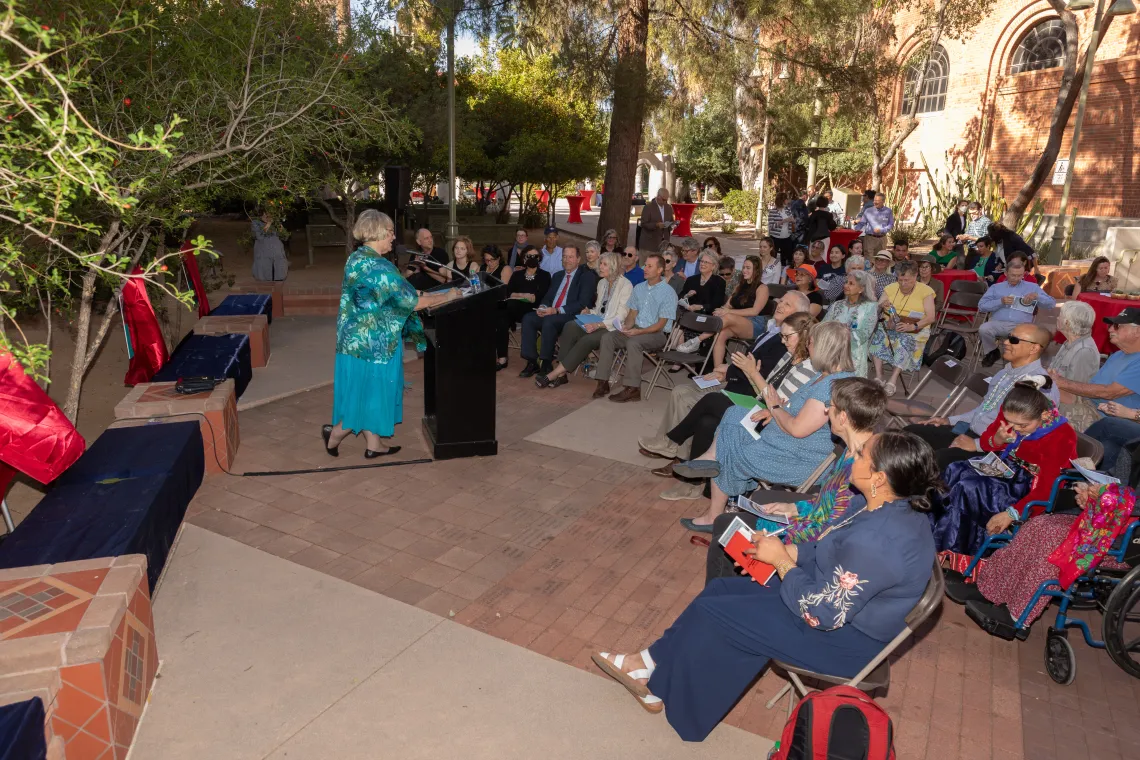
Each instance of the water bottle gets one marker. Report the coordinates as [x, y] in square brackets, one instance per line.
[476, 286]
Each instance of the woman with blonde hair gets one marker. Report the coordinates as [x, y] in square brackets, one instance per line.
[610, 242]
[796, 437]
[580, 337]
[377, 314]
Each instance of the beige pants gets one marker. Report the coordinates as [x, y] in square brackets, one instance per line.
[873, 244]
[682, 399]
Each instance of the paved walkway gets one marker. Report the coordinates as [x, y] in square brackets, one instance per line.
[563, 552]
[263, 658]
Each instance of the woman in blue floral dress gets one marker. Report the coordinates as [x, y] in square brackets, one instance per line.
[377, 314]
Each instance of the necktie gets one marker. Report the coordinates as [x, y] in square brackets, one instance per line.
[562, 292]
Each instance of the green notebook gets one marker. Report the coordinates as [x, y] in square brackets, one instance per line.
[744, 400]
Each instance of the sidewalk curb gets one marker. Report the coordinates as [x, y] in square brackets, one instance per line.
[262, 402]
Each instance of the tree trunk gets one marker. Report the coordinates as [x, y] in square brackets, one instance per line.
[349, 224]
[79, 358]
[749, 114]
[1072, 77]
[627, 118]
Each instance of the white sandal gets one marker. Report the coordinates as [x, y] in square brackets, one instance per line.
[630, 681]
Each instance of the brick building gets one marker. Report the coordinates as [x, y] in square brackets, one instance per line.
[992, 95]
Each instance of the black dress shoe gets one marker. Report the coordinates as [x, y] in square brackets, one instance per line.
[530, 370]
[326, 433]
[989, 359]
[500, 366]
[370, 454]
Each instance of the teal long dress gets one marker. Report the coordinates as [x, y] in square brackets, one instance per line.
[377, 314]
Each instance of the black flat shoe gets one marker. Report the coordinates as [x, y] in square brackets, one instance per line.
[326, 433]
[960, 592]
[500, 367]
[370, 454]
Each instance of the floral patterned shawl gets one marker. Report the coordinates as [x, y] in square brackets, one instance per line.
[1091, 536]
[377, 309]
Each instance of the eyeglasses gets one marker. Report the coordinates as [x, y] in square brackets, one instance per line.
[1013, 340]
[629, 255]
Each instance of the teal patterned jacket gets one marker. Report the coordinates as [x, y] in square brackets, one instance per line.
[377, 309]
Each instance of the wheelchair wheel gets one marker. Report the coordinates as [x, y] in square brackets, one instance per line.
[1060, 662]
[1122, 623]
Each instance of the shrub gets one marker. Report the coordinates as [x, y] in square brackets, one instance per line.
[708, 214]
[728, 228]
[741, 204]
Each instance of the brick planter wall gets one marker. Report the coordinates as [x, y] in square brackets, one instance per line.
[80, 636]
[255, 326]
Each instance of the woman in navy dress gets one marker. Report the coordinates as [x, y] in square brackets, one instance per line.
[840, 599]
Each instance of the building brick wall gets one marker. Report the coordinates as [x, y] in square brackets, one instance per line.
[1017, 110]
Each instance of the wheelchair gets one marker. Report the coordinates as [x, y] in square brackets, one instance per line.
[1113, 587]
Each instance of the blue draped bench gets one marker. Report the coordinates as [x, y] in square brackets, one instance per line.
[127, 494]
[245, 305]
[217, 356]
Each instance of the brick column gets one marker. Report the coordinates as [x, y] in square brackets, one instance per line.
[255, 326]
[159, 402]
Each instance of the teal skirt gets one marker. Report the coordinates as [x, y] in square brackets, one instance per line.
[368, 395]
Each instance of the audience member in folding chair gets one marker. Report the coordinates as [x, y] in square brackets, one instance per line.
[839, 600]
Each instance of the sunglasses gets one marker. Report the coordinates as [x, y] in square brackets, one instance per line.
[1013, 340]
[629, 255]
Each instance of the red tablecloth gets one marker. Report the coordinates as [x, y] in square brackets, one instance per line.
[1104, 306]
[844, 237]
[587, 196]
[575, 202]
[683, 213]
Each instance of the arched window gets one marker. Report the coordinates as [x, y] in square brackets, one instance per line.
[933, 97]
[1042, 48]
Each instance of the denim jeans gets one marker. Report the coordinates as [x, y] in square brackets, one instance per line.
[1113, 433]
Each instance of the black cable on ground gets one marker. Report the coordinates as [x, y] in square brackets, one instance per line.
[155, 419]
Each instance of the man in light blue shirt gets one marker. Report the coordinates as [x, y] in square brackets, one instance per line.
[652, 309]
[1114, 389]
[551, 253]
[1009, 303]
[876, 224]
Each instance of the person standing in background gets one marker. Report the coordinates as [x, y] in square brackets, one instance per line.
[876, 224]
[656, 222]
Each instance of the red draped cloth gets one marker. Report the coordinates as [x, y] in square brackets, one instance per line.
[35, 436]
[190, 261]
[143, 332]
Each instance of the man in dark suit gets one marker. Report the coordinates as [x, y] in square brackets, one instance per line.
[423, 271]
[571, 290]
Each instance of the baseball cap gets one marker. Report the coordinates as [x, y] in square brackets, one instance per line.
[1130, 316]
[549, 230]
[884, 255]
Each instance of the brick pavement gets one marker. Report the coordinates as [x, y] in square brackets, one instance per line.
[564, 553]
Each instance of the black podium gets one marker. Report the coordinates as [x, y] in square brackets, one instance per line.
[459, 374]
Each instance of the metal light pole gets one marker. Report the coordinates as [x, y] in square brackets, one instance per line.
[1118, 8]
[452, 222]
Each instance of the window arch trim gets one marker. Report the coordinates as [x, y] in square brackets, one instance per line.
[934, 87]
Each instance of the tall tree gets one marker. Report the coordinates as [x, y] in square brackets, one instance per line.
[628, 115]
[1072, 78]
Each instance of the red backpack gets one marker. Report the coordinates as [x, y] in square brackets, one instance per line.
[840, 723]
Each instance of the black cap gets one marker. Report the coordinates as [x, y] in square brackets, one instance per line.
[1130, 316]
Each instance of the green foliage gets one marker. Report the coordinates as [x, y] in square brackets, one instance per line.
[728, 228]
[708, 214]
[706, 147]
[741, 204]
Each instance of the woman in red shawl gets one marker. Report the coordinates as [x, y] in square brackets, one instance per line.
[1031, 439]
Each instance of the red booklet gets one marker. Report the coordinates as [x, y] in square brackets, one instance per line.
[735, 540]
